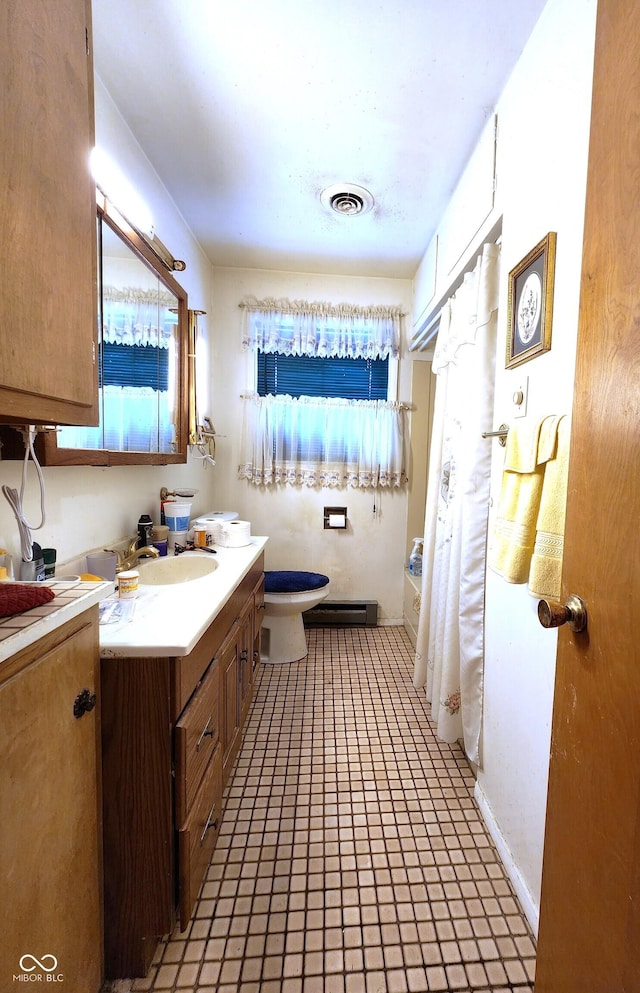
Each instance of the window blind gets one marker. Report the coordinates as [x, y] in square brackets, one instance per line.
[302, 375]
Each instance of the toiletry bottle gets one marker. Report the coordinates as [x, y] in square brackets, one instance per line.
[145, 526]
[415, 559]
[33, 571]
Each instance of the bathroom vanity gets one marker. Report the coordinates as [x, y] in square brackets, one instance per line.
[176, 686]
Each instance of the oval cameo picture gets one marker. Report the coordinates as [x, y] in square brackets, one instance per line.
[529, 308]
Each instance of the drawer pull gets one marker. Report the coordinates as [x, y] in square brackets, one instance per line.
[206, 733]
[210, 824]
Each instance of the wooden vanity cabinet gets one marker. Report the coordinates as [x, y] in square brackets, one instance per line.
[50, 837]
[171, 732]
[48, 370]
[230, 695]
[249, 659]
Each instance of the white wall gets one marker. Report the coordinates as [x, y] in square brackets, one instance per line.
[89, 507]
[365, 561]
[542, 184]
[542, 148]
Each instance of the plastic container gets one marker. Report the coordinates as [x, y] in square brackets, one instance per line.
[179, 537]
[200, 536]
[176, 515]
[160, 538]
[415, 559]
[6, 564]
[102, 564]
[128, 584]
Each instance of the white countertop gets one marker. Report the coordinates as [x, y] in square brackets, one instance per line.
[169, 620]
[22, 630]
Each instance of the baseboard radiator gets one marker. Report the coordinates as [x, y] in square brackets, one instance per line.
[342, 613]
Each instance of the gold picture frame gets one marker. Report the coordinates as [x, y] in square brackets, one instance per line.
[530, 303]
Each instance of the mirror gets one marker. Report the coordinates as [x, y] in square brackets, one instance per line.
[142, 361]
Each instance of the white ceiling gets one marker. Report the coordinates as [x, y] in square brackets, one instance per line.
[248, 109]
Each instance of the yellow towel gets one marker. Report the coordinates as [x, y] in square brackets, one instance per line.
[531, 443]
[546, 564]
[529, 446]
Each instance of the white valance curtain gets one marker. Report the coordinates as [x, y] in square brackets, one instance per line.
[313, 441]
[319, 441]
[450, 643]
[132, 316]
[297, 327]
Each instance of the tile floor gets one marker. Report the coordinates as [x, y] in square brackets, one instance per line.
[352, 857]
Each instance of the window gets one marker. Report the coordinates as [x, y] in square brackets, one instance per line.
[320, 414]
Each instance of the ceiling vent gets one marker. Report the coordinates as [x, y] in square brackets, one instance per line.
[345, 198]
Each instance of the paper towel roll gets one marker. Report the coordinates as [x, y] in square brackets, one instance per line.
[235, 534]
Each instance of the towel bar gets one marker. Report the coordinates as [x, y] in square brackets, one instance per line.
[500, 434]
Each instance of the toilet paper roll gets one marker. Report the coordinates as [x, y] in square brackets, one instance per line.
[235, 534]
[337, 520]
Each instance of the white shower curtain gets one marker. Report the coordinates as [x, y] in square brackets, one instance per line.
[450, 647]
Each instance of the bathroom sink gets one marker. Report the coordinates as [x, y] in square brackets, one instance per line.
[176, 569]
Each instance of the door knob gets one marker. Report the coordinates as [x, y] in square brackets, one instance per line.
[573, 613]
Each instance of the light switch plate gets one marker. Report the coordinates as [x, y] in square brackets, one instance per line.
[520, 397]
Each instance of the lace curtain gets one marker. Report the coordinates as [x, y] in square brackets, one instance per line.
[133, 316]
[319, 441]
[313, 441]
[132, 419]
[321, 329]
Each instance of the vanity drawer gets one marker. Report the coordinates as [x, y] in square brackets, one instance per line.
[196, 735]
[198, 836]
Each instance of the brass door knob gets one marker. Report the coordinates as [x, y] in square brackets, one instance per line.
[554, 615]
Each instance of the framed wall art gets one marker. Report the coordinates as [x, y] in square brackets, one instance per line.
[530, 303]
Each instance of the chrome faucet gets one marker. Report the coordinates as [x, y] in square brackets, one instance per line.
[130, 558]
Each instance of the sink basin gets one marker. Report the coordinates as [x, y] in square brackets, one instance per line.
[176, 569]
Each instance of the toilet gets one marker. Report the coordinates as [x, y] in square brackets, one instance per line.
[286, 595]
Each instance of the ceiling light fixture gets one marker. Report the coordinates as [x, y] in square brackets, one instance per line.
[346, 198]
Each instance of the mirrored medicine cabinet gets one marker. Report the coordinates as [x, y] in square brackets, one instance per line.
[142, 360]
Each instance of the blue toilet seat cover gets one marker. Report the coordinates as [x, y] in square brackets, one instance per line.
[282, 581]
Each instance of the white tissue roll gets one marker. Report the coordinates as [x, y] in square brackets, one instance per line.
[337, 520]
[235, 534]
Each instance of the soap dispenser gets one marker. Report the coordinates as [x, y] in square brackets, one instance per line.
[415, 559]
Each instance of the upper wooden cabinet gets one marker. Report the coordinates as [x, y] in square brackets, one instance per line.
[48, 371]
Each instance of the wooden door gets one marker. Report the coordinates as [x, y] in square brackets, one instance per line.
[589, 939]
[48, 371]
[50, 860]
